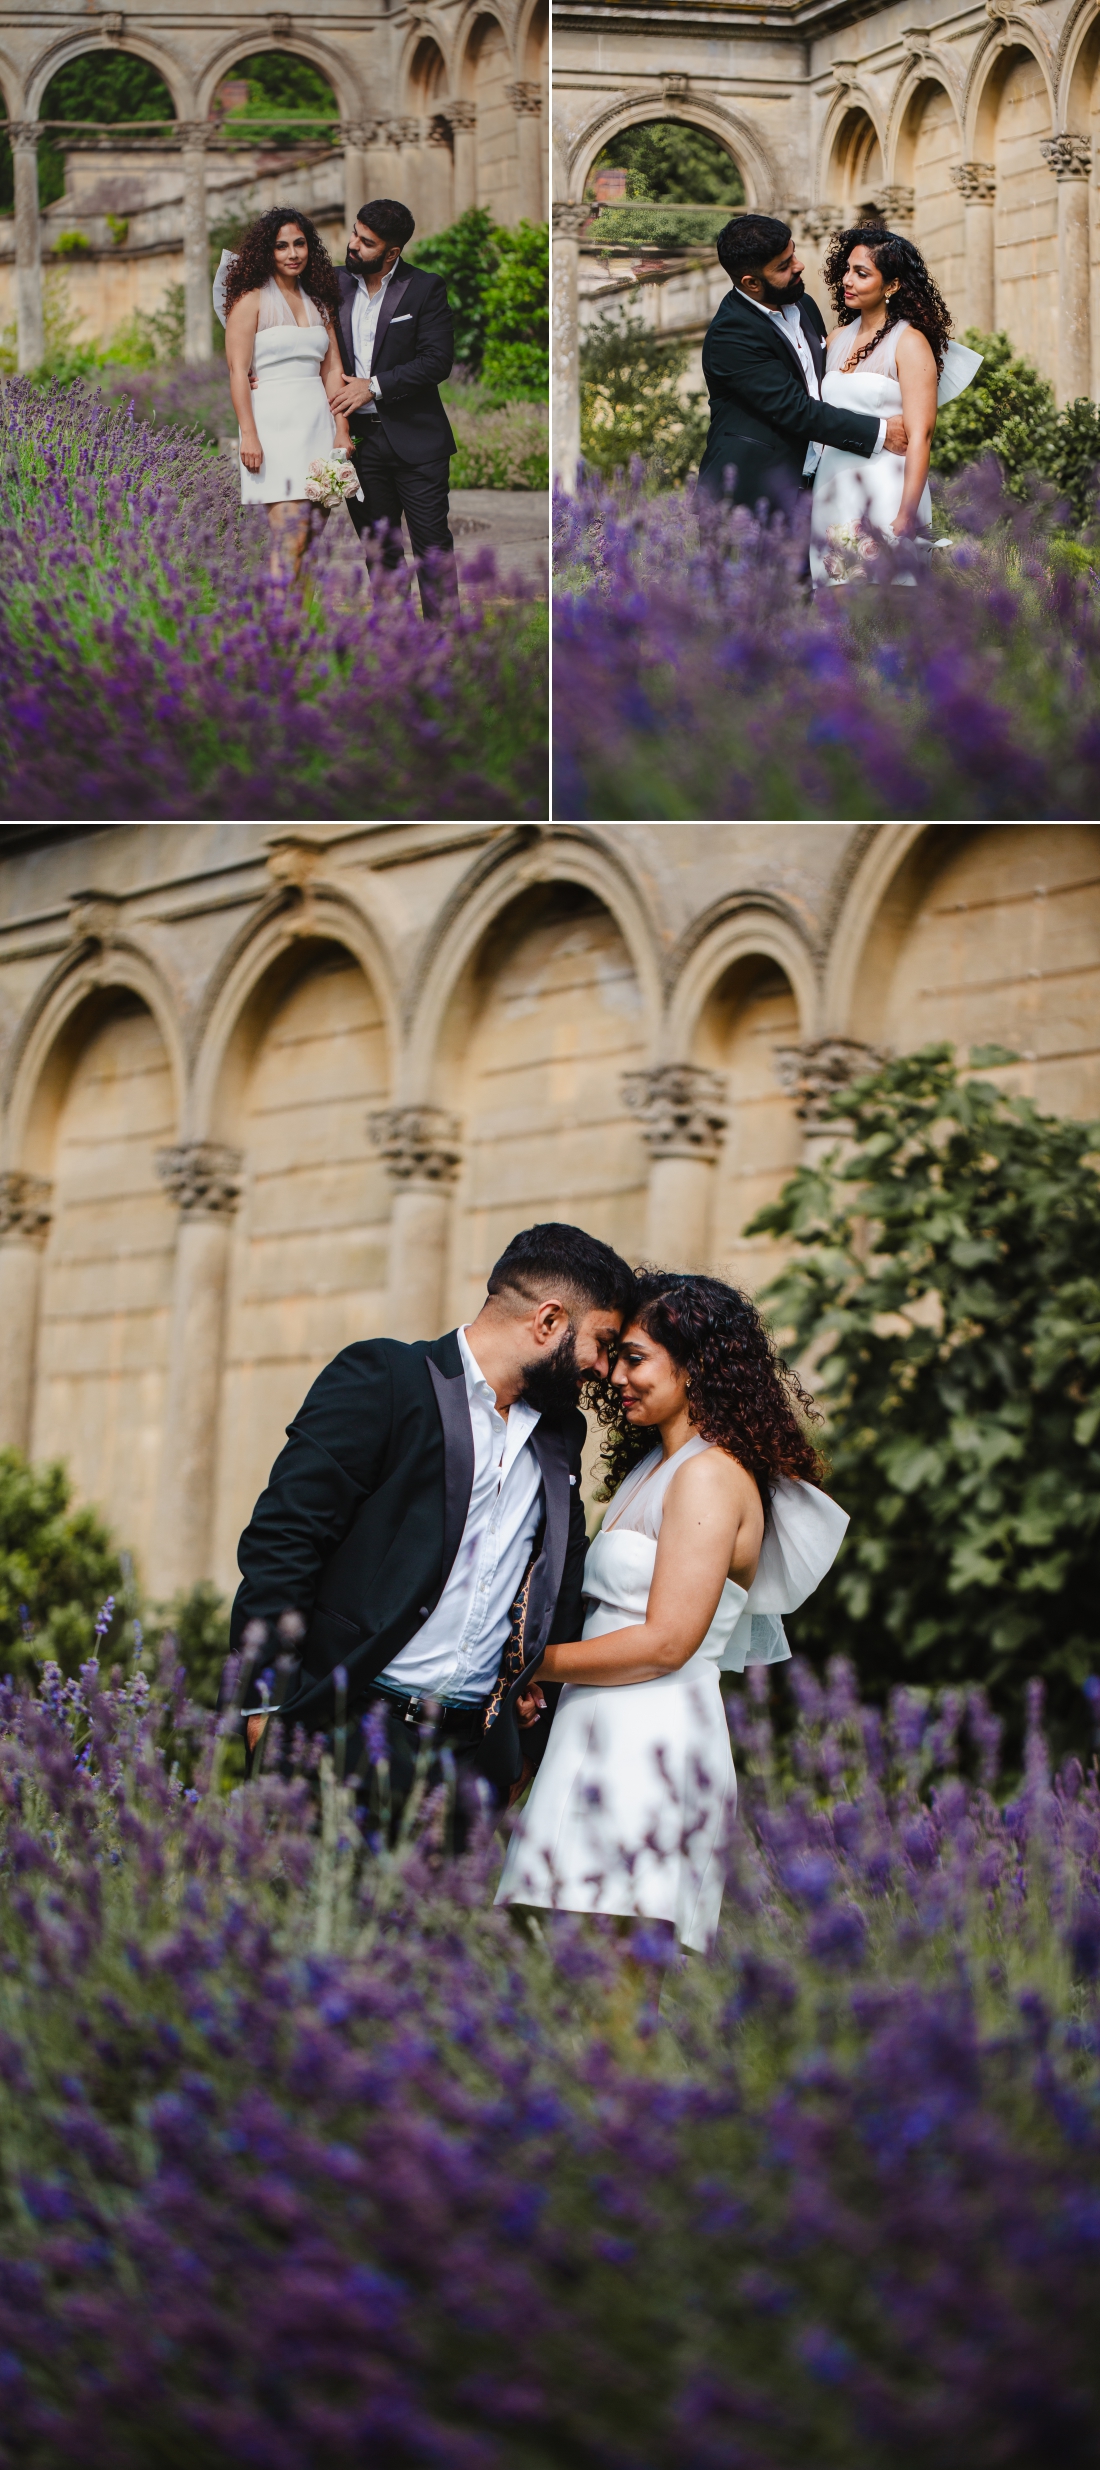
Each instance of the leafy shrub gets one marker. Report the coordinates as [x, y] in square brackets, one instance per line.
[695, 679]
[666, 160]
[72, 244]
[312, 2157]
[464, 256]
[198, 1625]
[1010, 411]
[654, 227]
[135, 589]
[503, 446]
[516, 360]
[631, 404]
[57, 1567]
[950, 1271]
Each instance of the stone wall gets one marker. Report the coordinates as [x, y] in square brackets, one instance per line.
[266, 1094]
[971, 131]
[443, 106]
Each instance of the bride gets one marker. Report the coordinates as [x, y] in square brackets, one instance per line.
[278, 300]
[714, 1530]
[890, 355]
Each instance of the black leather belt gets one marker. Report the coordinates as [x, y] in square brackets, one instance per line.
[452, 1721]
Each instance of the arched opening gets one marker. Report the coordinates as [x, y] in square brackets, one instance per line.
[655, 182]
[487, 75]
[545, 1020]
[276, 98]
[428, 91]
[7, 166]
[748, 1024]
[306, 1065]
[104, 1107]
[991, 935]
[104, 87]
[856, 177]
[930, 147]
[1026, 213]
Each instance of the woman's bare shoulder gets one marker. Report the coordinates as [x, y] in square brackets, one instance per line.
[713, 1475]
[915, 347]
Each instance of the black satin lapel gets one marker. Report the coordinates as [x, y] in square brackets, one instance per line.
[550, 1450]
[458, 1458]
[817, 348]
[347, 346]
[396, 289]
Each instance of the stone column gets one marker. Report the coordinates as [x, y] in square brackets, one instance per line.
[194, 137]
[24, 1226]
[28, 245]
[438, 177]
[526, 101]
[463, 120]
[816, 1073]
[568, 224]
[408, 135]
[355, 134]
[977, 186]
[383, 162]
[1069, 158]
[422, 1149]
[203, 1178]
[683, 1117]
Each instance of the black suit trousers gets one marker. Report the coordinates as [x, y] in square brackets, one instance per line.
[419, 491]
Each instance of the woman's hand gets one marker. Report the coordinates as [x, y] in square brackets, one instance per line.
[905, 523]
[252, 453]
[530, 1704]
[343, 434]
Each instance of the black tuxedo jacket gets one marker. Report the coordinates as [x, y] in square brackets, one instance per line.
[762, 414]
[414, 349]
[363, 1514]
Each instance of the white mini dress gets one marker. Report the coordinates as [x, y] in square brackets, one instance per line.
[289, 403]
[631, 1808]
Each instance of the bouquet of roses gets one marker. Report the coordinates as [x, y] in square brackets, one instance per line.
[330, 479]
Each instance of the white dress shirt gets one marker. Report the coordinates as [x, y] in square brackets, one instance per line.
[457, 1653]
[365, 311]
[792, 330]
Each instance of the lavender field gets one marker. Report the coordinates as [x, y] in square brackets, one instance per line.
[312, 2158]
[151, 670]
[696, 678]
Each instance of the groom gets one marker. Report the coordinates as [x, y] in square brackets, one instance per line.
[425, 1517]
[397, 343]
[763, 360]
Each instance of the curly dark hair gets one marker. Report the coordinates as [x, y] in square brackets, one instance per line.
[916, 298]
[739, 1391]
[255, 260]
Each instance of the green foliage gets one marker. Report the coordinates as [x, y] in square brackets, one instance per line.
[631, 405]
[500, 445]
[199, 1624]
[516, 361]
[99, 85]
[464, 256]
[672, 163]
[279, 82]
[57, 1568]
[948, 1273]
[148, 337]
[72, 244]
[1010, 411]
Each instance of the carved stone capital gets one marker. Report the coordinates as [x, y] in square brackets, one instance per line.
[525, 96]
[355, 133]
[420, 1144]
[438, 131]
[898, 203]
[844, 75]
[23, 136]
[404, 131]
[94, 916]
[818, 1071]
[25, 1206]
[1067, 156]
[203, 1176]
[460, 113]
[976, 182]
[195, 135]
[570, 220]
[818, 222]
[681, 1107]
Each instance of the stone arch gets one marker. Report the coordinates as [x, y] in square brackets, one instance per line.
[424, 77]
[480, 899]
[11, 87]
[991, 63]
[926, 145]
[309, 910]
[1076, 68]
[335, 65]
[72, 47]
[40, 1060]
[533, 40]
[1011, 111]
[485, 74]
[747, 147]
[853, 154]
[748, 927]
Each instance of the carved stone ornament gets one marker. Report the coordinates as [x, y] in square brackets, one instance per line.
[23, 136]
[525, 96]
[420, 1144]
[25, 1206]
[405, 131]
[93, 916]
[438, 131]
[202, 1175]
[975, 182]
[356, 133]
[461, 114]
[682, 1109]
[1068, 157]
[916, 42]
[898, 203]
[279, 26]
[194, 135]
[113, 25]
[571, 219]
[817, 1072]
[675, 85]
[819, 222]
[844, 74]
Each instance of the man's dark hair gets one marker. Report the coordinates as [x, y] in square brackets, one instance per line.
[390, 219]
[749, 243]
[544, 1257]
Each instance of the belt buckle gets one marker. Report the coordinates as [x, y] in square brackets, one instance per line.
[412, 1710]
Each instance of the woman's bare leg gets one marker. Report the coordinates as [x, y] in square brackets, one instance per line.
[293, 522]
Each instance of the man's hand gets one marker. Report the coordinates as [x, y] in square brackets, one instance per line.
[897, 436]
[255, 1728]
[352, 394]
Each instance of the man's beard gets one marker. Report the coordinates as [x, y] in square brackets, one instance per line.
[553, 1383]
[776, 296]
[362, 265]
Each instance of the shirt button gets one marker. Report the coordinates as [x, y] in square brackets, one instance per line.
[423, 1612]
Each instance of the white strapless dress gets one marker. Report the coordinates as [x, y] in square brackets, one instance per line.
[631, 1809]
[858, 496]
[289, 403]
